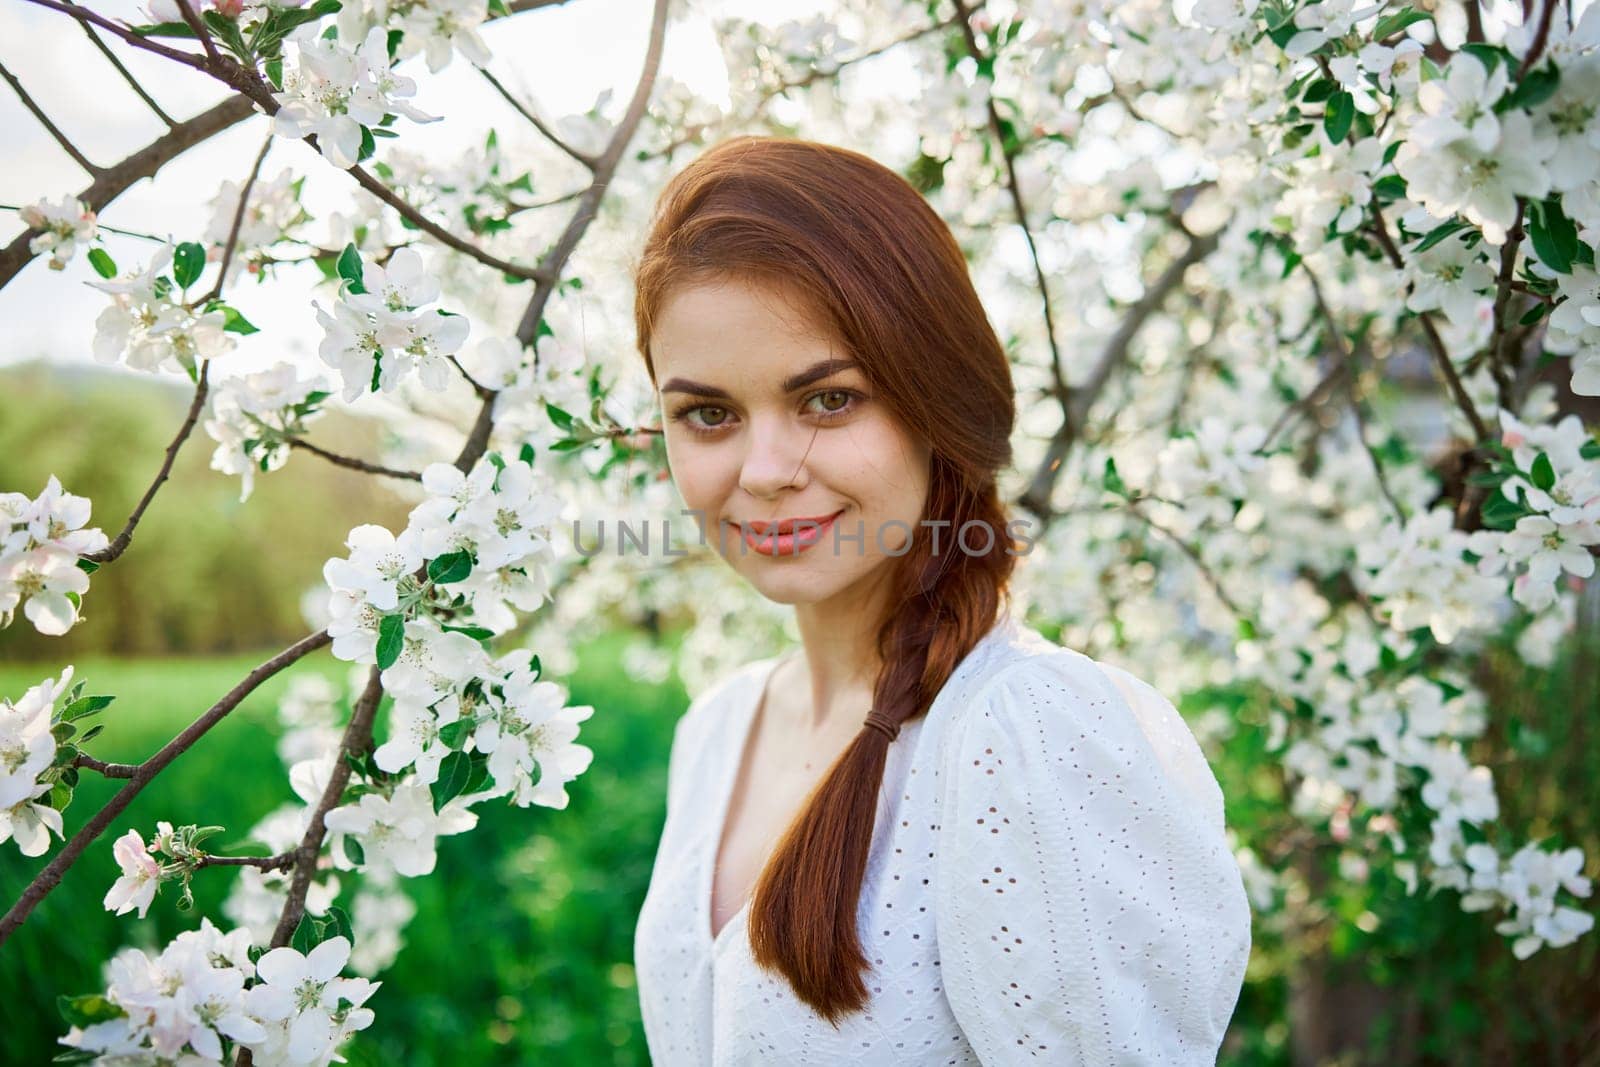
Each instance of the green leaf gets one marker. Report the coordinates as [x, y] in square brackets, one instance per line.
[455, 734]
[1537, 86]
[1534, 314]
[1111, 480]
[526, 453]
[480, 772]
[349, 268]
[274, 69]
[1393, 24]
[227, 31]
[1487, 54]
[102, 263]
[391, 640]
[1319, 90]
[536, 667]
[85, 706]
[188, 261]
[562, 419]
[87, 1009]
[451, 567]
[165, 29]
[369, 145]
[233, 322]
[1439, 233]
[88, 566]
[567, 444]
[63, 731]
[91, 733]
[1339, 113]
[1544, 472]
[305, 935]
[1389, 188]
[1554, 236]
[454, 772]
[338, 921]
[1500, 513]
[477, 633]
[353, 850]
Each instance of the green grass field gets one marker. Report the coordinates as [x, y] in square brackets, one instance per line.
[521, 949]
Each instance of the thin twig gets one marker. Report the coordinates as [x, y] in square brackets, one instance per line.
[1541, 35]
[281, 862]
[127, 75]
[82, 14]
[120, 544]
[238, 219]
[1336, 338]
[50, 876]
[1036, 498]
[538, 124]
[1441, 355]
[1057, 373]
[248, 82]
[1194, 556]
[1502, 301]
[351, 462]
[1304, 405]
[108, 770]
[200, 31]
[44, 120]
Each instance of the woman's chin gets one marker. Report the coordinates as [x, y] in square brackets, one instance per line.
[796, 580]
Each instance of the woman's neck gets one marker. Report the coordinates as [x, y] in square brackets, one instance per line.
[839, 638]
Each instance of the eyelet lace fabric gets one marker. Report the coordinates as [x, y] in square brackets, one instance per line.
[1048, 883]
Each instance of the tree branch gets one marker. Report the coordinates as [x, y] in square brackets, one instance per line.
[588, 206]
[50, 877]
[113, 181]
[120, 544]
[1075, 412]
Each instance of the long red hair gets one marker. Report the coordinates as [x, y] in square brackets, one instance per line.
[877, 265]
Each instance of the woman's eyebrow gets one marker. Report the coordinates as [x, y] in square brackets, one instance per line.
[815, 373]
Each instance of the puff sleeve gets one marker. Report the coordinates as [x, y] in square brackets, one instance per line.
[1088, 909]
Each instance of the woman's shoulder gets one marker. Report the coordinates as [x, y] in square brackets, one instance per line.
[1035, 693]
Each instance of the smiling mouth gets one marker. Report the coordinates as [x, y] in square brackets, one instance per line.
[787, 526]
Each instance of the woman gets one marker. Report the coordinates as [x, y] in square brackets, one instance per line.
[928, 835]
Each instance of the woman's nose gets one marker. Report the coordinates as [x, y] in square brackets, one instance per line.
[775, 457]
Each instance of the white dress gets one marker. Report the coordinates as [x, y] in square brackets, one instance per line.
[1048, 883]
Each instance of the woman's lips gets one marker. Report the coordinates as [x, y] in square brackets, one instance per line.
[786, 537]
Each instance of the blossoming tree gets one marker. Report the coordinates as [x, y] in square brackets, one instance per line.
[1219, 237]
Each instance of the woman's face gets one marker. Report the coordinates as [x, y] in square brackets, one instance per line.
[766, 420]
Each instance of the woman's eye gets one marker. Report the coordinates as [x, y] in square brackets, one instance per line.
[832, 401]
[711, 416]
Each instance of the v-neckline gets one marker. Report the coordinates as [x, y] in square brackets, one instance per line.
[752, 710]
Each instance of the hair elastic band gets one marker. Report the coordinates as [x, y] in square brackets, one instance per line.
[876, 720]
